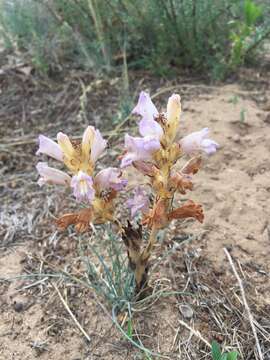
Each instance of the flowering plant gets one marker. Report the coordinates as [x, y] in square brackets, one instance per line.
[96, 191]
[155, 155]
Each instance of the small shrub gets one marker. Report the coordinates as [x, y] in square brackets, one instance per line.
[161, 35]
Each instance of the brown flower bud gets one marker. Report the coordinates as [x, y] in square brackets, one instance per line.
[189, 210]
[192, 166]
[157, 217]
[180, 182]
[66, 220]
[80, 219]
[145, 168]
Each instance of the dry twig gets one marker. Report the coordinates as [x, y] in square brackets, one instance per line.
[195, 332]
[250, 317]
[71, 313]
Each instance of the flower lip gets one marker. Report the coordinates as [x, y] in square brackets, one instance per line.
[49, 147]
[110, 178]
[150, 128]
[139, 149]
[198, 141]
[82, 185]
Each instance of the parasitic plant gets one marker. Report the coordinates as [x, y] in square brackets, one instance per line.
[96, 191]
[155, 155]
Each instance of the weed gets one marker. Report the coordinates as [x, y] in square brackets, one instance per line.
[218, 355]
[234, 100]
[107, 268]
[243, 115]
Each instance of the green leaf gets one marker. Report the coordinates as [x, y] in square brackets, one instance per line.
[216, 353]
[129, 328]
[252, 12]
[232, 355]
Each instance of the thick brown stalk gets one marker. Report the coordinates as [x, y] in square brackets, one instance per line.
[139, 259]
[142, 265]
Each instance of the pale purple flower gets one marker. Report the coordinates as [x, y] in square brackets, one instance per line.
[139, 149]
[150, 128]
[145, 107]
[199, 141]
[82, 185]
[49, 147]
[98, 145]
[147, 110]
[140, 202]
[110, 178]
[49, 175]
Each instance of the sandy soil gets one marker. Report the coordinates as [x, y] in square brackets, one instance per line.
[233, 186]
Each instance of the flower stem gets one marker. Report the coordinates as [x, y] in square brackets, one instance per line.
[142, 266]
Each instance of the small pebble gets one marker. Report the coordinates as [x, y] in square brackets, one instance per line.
[220, 197]
[186, 311]
[18, 306]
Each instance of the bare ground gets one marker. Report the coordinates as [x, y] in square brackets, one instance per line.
[233, 186]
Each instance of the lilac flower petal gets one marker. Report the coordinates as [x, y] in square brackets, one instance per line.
[150, 144]
[98, 146]
[49, 175]
[150, 128]
[139, 149]
[127, 160]
[209, 146]
[110, 178]
[145, 107]
[140, 202]
[49, 147]
[82, 185]
[198, 141]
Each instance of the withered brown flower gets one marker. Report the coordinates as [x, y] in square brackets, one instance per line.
[180, 182]
[189, 210]
[192, 166]
[80, 219]
[157, 217]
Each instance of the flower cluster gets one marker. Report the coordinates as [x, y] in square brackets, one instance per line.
[155, 154]
[95, 191]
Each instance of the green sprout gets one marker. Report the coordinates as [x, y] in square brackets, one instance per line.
[218, 355]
